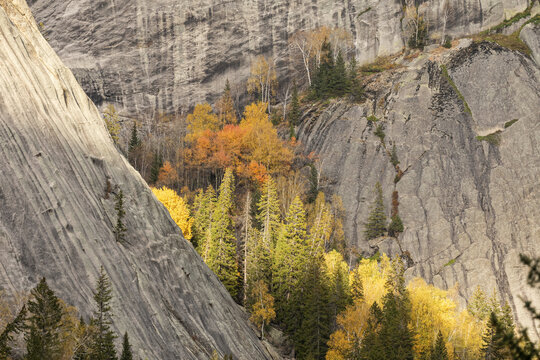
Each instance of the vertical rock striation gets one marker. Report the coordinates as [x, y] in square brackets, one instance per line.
[469, 205]
[56, 217]
[152, 56]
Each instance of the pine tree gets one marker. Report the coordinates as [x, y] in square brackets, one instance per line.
[439, 351]
[225, 107]
[222, 251]
[312, 337]
[357, 288]
[204, 206]
[294, 112]
[396, 226]
[289, 264]
[134, 141]
[42, 337]
[339, 85]
[102, 342]
[120, 228]
[157, 163]
[376, 225]
[12, 328]
[322, 80]
[126, 349]
[371, 347]
[355, 86]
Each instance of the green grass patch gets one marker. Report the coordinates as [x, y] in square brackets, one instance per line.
[453, 84]
[493, 139]
[379, 132]
[514, 19]
[450, 263]
[510, 123]
[380, 64]
[512, 42]
[372, 119]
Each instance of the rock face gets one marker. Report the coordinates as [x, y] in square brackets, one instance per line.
[152, 56]
[469, 206]
[56, 218]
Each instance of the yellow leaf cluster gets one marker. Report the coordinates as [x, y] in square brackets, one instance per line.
[202, 118]
[178, 209]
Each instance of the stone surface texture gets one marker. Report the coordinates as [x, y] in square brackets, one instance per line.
[155, 56]
[469, 207]
[56, 219]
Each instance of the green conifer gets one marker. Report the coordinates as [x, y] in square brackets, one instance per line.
[12, 328]
[157, 163]
[322, 79]
[203, 206]
[294, 112]
[371, 347]
[120, 228]
[102, 342]
[355, 86]
[126, 349]
[339, 85]
[42, 337]
[134, 141]
[439, 351]
[396, 226]
[376, 225]
[222, 251]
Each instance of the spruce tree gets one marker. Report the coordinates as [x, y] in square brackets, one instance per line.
[222, 250]
[439, 351]
[357, 288]
[339, 85]
[289, 264]
[355, 86]
[204, 206]
[126, 349]
[134, 141]
[312, 337]
[12, 328]
[45, 314]
[102, 342]
[120, 228]
[323, 77]
[371, 347]
[376, 225]
[157, 163]
[294, 112]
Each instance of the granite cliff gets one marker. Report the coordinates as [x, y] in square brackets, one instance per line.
[163, 56]
[56, 216]
[466, 127]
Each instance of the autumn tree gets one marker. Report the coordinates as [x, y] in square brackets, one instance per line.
[376, 224]
[112, 122]
[262, 311]
[178, 209]
[202, 118]
[263, 79]
[415, 26]
[167, 175]
[102, 342]
[222, 251]
[225, 107]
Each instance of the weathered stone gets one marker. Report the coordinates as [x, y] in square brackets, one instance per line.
[56, 219]
[530, 34]
[152, 56]
[469, 207]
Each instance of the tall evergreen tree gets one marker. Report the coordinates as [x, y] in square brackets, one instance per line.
[439, 351]
[134, 141]
[222, 252]
[126, 349]
[102, 342]
[339, 84]
[323, 77]
[376, 225]
[157, 163]
[120, 228]
[355, 86]
[42, 337]
[312, 337]
[371, 345]
[12, 328]
[294, 112]
[203, 208]
[225, 107]
[289, 264]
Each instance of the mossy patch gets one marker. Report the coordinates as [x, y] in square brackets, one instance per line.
[511, 42]
[453, 84]
[450, 263]
[380, 64]
[493, 139]
[510, 123]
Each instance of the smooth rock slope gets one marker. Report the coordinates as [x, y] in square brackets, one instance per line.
[153, 56]
[56, 219]
[469, 206]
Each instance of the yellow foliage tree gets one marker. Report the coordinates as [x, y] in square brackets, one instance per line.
[263, 309]
[202, 118]
[263, 79]
[177, 208]
[112, 122]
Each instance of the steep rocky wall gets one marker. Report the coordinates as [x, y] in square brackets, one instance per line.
[154, 56]
[56, 220]
[469, 207]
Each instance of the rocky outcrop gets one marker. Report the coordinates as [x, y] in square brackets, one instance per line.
[56, 216]
[165, 55]
[530, 34]
[469, 204]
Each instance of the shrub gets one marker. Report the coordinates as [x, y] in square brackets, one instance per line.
[493, 139]
[379, 132]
